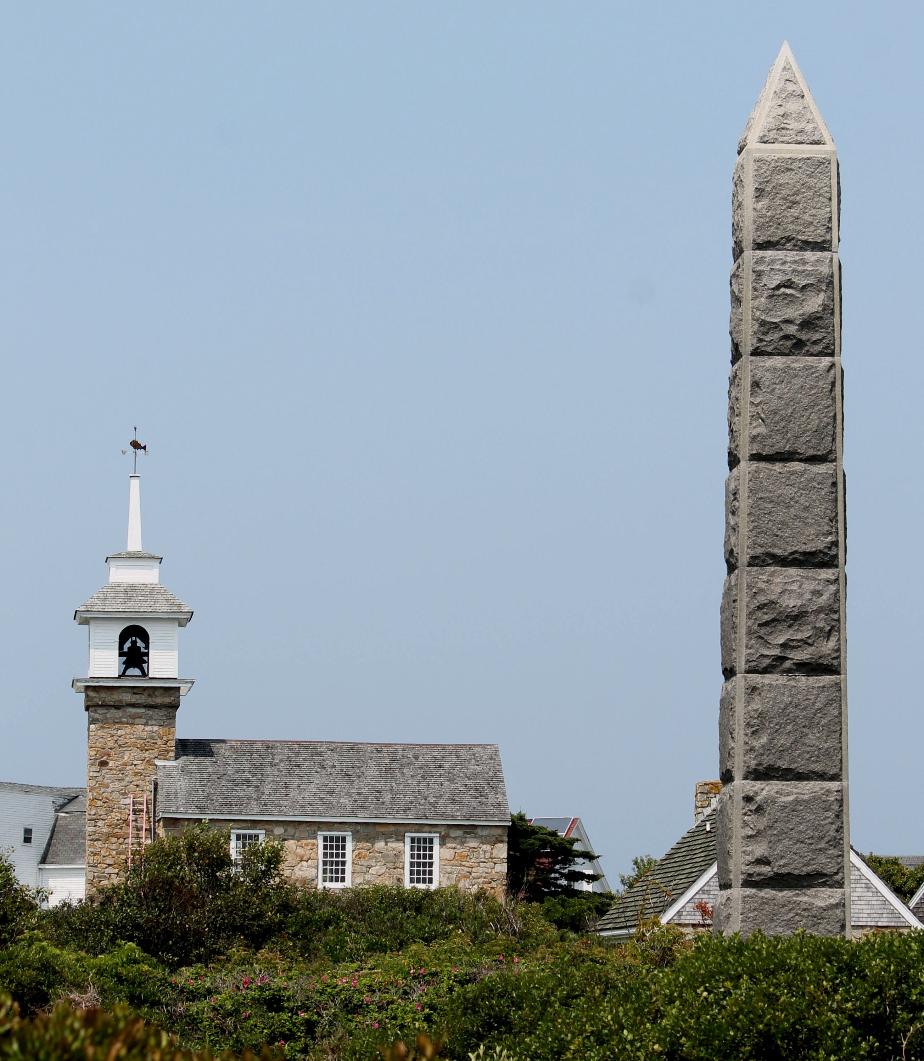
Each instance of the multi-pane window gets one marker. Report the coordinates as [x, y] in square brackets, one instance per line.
[421, 860]
[335, 851]
[26, 835]
[242, 839]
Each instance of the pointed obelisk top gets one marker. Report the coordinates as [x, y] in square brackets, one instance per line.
[785, 112]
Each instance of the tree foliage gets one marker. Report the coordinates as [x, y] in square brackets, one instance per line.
[903, 880]
[541, 862]
[642, 865]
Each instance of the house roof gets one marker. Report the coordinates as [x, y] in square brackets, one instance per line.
[334, 781]
[681, 867]
[55, 791]
[684, 871]
[135, 598]
[67, 843]
[909, 861]
[564, 826]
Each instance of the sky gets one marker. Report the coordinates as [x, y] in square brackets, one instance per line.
[422, 309]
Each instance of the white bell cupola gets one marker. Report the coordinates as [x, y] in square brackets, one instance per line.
[133, 621]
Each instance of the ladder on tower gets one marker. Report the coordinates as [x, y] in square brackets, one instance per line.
[139, 826]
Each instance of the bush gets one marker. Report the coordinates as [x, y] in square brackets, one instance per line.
[352, 924]
[575, 913]
[18, 904]
[187, 904]
[184, 903]
[719, 1000]
[71, 1035]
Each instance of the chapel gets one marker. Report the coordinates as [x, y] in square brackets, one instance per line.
[347, 812]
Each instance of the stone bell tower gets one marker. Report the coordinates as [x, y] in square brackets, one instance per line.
[131, 695]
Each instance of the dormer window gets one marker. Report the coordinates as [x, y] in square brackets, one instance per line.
[134, 652]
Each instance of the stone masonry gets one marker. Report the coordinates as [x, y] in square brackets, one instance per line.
[470, 856]
[128, 727]
[783, 844]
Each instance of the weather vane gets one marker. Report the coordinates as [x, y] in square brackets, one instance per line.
[137, 447]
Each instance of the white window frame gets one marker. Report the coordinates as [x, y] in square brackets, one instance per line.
[348, 883]
[237, 856]
[435, 837]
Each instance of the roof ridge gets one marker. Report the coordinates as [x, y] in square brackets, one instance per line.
[376, 743]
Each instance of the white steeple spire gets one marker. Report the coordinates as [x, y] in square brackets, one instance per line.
[134, 514]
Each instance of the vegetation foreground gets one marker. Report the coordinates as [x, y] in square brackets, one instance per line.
[189, 959]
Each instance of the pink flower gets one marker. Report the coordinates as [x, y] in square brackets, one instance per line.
[245, 982]
[246, 1014]
[352, 983]
[366, 999]
[375, 1024]
[418, 1006]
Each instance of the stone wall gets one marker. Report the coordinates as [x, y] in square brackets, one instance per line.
[783, 845]
[128, 727]
[470, 856]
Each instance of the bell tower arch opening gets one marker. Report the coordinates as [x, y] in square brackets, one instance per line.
[134, 651]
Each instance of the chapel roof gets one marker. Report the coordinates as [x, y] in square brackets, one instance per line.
[135, 598]
[333, 780]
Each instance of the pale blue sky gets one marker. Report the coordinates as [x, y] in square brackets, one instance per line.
[423, 310]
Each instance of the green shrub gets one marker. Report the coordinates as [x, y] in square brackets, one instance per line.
[35, 973]
[18, 904]
[719, 1000]
[575, 913]
[802, 997]
[184, 902]
[352, 924]
[66, 1034]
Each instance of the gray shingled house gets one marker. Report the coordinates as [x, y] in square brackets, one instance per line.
[347, 813]
[682, 889]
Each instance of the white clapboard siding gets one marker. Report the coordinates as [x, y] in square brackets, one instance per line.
[19, 810]
[104, 648]
[164, 648]
[63, 882]
[869, 907]
[688, 914]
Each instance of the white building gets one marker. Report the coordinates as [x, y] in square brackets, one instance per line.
[42, 833]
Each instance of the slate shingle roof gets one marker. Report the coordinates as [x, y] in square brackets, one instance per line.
[67, 844]
[62, 794]
[334, 780]
[686, 861]
[138, 598]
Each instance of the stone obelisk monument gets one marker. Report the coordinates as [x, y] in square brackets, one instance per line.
[782, 823]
